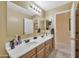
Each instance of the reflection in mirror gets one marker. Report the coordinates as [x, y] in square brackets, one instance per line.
[50, 24]
[39, 23]
[28, 26]
[16, 12]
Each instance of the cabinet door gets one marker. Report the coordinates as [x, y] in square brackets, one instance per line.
[53, 43]
[46, 50]
[40, 54]
[50, 45]
[49, 42]
[40, 47]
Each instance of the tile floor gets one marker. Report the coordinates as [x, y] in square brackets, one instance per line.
[58, 54]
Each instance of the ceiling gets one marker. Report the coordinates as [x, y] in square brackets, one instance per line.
[48, 5]
[45, 5]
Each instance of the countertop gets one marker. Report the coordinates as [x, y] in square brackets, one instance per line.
[23, 48]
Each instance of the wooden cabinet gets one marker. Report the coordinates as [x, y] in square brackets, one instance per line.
[53, 43]
[49, 46]
[49, 42]
[40, 47]
[41, 51]
[40, 54]
[30, 54]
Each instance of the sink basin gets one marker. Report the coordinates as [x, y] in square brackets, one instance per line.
[33, 42]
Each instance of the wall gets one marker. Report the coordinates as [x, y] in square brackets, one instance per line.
[3, 19]
[58, 9]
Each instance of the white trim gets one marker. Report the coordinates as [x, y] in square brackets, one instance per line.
[73, 30]
[63, 12]
[55, 29]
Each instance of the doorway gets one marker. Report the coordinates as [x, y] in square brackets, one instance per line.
[62, 32]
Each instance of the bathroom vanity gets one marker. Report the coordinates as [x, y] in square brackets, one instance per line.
[35, 48]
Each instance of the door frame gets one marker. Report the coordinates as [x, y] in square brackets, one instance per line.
[73, 38]
[70, 33]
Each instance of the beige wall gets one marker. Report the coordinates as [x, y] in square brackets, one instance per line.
[3, 19]
[59, 9]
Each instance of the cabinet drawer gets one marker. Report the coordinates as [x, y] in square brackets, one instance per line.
[29, 54]
[40, 47]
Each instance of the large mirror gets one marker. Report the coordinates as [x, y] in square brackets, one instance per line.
[22, 20]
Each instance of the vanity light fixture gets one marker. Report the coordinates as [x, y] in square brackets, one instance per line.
[34, 7]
